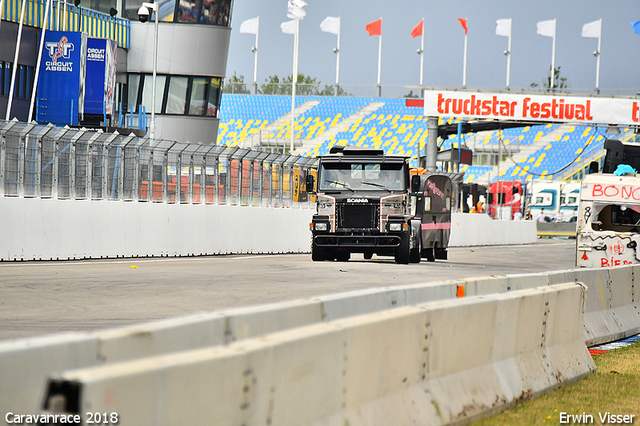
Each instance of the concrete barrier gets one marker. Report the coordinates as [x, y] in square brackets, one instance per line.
[480, 230]
[50, 229]
[438, 363]
[611, 313]
[44, 229]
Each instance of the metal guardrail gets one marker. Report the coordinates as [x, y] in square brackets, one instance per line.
[39, 161]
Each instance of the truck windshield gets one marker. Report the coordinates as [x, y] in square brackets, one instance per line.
[362, 176]
[614, 217]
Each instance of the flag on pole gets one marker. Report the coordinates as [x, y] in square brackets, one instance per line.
[417, 30]
[504, 27]
[547, 28]
[635, 26]
[592, 29]
[288, 27]
[330, 25]
[375, 28]
[250, 26]
[463, 22]
[295, 9]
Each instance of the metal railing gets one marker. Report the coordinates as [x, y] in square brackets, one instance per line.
[39, 161]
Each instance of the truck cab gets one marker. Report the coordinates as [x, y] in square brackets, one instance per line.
[608, 228]
[365, 204]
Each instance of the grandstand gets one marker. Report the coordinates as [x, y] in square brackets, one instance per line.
[545, 151]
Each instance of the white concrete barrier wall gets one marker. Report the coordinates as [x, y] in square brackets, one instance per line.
[78, 229]
[436, 363]
[479, 230]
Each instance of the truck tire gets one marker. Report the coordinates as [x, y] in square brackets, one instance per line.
[428, 254]
[416, 252]
[441, 253]
[402, 251]
[317, 253]
[343, 256]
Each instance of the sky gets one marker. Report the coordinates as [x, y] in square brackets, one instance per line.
[444, 44]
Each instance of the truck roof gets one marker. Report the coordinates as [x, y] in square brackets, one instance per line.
[351, 154]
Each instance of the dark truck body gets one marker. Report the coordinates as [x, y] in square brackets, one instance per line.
[365, 205]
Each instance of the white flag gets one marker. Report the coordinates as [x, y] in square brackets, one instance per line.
[547, 28]
[504, 27]
[295, 9]
[330, 25]
[288, 27]
[250, 26]
[592, 29]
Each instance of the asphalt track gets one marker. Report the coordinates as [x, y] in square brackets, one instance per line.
[45, 297]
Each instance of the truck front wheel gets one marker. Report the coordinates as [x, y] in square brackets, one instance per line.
[402, 251]
[317, 253]
[416, 252]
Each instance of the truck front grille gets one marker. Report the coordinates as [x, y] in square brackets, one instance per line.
[358, 216]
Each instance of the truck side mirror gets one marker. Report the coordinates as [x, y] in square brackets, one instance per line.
[310, 183]
[415, 183]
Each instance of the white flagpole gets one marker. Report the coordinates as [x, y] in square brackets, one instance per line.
[553, 56]
[15, 60]
[422, 55]
[37, 73]
[380, 60]
[255, 59]
[598, 59]
[464, 63]
[294, 80]
[338, 55]
[64, 16]
[509, 56]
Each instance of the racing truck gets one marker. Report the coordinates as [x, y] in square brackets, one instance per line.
[608, 228]
[371, 203]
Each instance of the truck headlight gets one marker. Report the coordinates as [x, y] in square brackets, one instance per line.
[395, 226]
[321, 226]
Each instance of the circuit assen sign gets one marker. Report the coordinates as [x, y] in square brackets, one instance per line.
[528, 107]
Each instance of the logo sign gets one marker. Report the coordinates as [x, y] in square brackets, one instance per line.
[357, 200]
[101, 76]
[59, 55]
[61, 78]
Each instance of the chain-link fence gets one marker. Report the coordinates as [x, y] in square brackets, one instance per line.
[69, 163]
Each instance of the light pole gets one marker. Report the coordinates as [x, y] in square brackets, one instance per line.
[143, 16]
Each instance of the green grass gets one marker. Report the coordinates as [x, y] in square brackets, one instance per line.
[614, 388]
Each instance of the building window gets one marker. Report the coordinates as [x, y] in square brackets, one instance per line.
[212, 12]
[175, 95]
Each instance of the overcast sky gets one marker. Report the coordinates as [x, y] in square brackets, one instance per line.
[444, 42]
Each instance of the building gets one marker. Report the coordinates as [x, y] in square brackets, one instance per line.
[193, 44]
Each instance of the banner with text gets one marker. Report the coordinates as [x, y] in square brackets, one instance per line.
[62, 78]
[528, 107]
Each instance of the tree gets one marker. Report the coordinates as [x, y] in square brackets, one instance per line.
[236, 84]
[330, 90]
[273, 86]
[559, 83]
[305, 85]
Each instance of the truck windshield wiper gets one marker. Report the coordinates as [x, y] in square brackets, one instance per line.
[376, 184]
[344, 185]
